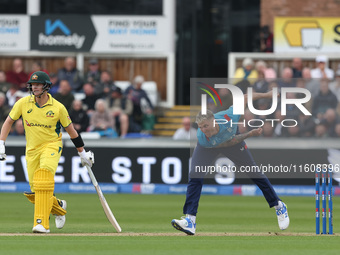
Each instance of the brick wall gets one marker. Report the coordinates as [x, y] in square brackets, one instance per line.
[297, 8]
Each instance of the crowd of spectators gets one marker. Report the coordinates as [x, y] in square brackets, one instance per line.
[104, 108]
[322, 82]
[112, 112]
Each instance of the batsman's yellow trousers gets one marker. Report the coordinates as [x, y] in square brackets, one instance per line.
[46, 157]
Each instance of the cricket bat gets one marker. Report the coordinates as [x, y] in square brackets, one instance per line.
[102, 199]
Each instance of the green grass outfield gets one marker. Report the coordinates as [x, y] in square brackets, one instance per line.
[225, 225]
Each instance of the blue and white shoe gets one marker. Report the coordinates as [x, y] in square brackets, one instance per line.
[282, 217]
[185, 225]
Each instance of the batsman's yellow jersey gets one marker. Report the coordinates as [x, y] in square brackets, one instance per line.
[42, 124]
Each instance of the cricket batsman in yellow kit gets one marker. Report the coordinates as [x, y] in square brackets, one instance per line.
[43, 117]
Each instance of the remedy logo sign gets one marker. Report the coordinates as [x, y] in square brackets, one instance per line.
[241, 102]
[62, 33]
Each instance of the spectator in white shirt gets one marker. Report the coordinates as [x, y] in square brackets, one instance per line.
[186, 132]
[322, 71]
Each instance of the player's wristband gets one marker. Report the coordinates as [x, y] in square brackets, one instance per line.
[2, 142]
[78, 141]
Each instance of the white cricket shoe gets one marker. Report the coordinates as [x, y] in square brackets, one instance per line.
[282, 217]
[40, 229]
[60, 219]
[185, 225]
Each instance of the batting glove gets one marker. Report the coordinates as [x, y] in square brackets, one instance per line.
[2, 150]
[87, 158]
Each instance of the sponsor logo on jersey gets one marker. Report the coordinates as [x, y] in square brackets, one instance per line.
[37, 125]
[30, 110]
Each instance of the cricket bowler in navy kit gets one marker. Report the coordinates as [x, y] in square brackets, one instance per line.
[215, 139]
[43, 117]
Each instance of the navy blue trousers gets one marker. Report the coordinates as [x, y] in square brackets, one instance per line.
[241, 156]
